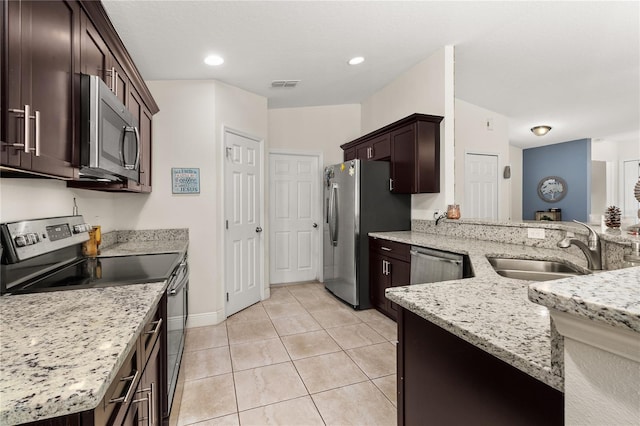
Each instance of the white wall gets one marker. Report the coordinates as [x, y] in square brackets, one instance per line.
[315, 129]
[425, 88]
[36, 198]
[473, 137]
[515, 160]
[187, 132]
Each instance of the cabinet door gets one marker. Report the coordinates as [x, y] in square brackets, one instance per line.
[364, 152]
[95, 55]
[349, 154]
[54, 83]
[400, 273]
[148, 395]
[381, 147]
[16, 68]
[143, 115]
[377, 281]
[119, 81]
[43, 59]
[403, 158]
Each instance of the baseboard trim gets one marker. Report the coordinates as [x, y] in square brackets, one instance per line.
[205, 319]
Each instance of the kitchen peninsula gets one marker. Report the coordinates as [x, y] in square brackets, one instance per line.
[486, 314]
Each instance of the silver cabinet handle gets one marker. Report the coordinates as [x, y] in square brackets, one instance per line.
[113, 79]
[156, 328]
[149, 399]
[390, 184]
[258, 229]
[37, 118]
[26, 113]
[132, 380]
[385, 248]
[27, 128]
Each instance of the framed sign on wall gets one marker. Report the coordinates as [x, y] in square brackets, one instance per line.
[185, 180]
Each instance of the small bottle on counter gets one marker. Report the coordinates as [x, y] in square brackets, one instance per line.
[632, 259]
[453, 211]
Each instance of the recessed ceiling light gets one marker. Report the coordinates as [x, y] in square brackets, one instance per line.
[357, 60]
[214, 60]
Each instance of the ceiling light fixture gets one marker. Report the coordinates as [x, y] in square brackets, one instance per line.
[540, 130]
[214, 60]
[356, 61]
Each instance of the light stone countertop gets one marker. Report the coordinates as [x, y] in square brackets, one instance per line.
[129, 248]
[60, 350]
[612, 297]
[489, 311]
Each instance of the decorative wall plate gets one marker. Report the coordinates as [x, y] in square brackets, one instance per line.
[552, 189]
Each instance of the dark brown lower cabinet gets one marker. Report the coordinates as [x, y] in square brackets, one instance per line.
[389, 266]
[444, 380]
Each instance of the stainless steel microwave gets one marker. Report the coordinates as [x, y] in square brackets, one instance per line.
[110, 141]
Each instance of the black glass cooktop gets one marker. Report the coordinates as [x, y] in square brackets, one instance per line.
[104, 272]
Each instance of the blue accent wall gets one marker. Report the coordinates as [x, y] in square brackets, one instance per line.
[569, 160]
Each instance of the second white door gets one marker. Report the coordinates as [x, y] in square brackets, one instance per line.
[481, 186]
[243, 242]
[293, 213]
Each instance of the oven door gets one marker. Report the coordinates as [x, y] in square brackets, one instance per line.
[177, 312]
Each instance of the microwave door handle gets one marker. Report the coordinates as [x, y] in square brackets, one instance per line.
[134, 130]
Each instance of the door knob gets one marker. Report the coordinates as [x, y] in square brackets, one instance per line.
[258, 229]
[315, 225]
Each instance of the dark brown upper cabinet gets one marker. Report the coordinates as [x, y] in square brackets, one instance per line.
[47, 46]
[412, 145]
[40, 86]
[97, 59]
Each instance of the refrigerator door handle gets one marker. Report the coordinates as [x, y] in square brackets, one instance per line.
[333, 215]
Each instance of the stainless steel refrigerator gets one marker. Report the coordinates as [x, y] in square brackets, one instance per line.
[357, 201]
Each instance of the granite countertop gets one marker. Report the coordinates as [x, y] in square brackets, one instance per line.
[60, 350]
[489, 311]
[129, 248]
[611, 297]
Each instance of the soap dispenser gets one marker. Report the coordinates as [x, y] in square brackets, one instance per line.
[632, 259]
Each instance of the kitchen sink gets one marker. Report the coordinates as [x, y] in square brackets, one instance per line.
[533, 270]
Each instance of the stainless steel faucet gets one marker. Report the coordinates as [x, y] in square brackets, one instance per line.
[593, 251]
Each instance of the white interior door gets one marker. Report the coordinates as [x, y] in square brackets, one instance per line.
[480, 186]
[294, 218]
[243, 234]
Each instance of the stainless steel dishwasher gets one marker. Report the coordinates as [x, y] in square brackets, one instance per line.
[430, 266]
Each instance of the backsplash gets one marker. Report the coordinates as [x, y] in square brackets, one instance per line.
[614, 246]
[115, 237]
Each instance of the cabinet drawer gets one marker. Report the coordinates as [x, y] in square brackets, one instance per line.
[120, 392]
[150, 334]
[391, 248]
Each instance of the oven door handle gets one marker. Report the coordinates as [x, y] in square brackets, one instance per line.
[183, 272]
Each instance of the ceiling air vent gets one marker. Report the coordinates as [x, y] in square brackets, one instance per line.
[280, 84]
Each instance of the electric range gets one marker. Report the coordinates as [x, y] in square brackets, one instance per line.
[44, 255]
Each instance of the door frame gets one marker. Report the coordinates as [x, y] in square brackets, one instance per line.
[498, 190]
[222, 241]
[318, 204]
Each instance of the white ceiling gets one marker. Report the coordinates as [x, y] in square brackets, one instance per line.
[571, 65]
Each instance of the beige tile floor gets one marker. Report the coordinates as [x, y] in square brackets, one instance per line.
[299, 358]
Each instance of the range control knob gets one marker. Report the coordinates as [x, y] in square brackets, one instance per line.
[83, 227]
[20, 241]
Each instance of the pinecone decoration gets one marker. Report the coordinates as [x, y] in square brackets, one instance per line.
[612, 217]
